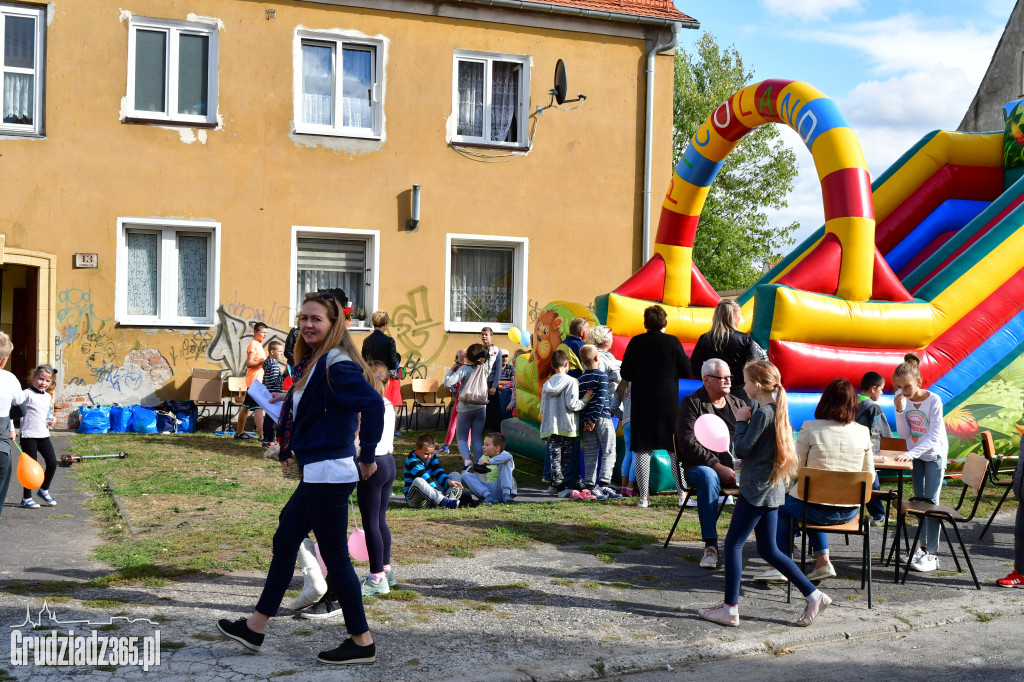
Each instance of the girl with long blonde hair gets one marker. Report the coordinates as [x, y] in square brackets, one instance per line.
[765, 445]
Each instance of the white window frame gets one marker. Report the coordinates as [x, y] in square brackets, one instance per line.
[372, 238]
[167, 272]
[173, 28]
[488, 59]
[340, 40]
[520, 263]
[37, 70]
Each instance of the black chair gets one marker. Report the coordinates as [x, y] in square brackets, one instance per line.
[692, 491]
[988, 448]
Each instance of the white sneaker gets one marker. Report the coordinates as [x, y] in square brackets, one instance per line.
[710, 558]
[727, 499]
[925, 564]
[907, 559]
[692, 502]
[644, 503]
[772, 575]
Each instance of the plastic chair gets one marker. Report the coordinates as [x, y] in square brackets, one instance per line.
[421, 388]
[973, 477]
[236, 397]
[845, 488]
[692, 491]
[988, 448]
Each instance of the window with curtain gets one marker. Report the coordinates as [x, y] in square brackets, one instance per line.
[172, 71]
[488, 102]
[166, 274]
[482, 283]
[325, 262]
[21, 36]
[337, 89]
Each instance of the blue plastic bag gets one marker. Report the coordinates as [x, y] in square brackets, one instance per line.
[166, 422]
[93, 419]
[143, 420]
[186, 413]
[120, 418]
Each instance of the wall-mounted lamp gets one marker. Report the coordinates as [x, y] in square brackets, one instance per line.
[414, 221]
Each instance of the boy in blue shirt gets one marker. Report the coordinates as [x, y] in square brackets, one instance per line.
[426, 483]
[273, 380]
[869, 414]
[598, 439]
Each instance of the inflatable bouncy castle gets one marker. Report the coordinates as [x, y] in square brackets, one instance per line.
[924, 259]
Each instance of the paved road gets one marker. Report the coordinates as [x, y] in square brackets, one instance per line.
[968, 651]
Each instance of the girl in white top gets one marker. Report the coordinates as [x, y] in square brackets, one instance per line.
[919, 421]
[35, 432]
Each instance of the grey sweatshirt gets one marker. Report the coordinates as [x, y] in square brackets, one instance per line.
[559, 403]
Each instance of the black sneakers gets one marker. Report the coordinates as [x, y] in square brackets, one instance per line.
[240, 632]
[349, 653]
[325, 608]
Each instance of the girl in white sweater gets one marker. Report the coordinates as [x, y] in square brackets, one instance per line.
[35, 431]
[919, 422]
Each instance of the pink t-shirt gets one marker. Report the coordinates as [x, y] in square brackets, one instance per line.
[255, 373]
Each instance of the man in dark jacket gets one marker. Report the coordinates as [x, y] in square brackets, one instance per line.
[705, 470]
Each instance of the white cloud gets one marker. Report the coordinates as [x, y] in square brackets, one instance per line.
[906, 41]
[810, 10]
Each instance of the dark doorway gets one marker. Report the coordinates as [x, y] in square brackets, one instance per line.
[24, 321]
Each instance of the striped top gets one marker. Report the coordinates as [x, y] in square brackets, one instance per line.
[430, 471]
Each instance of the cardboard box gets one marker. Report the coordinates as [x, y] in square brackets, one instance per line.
[207, 386]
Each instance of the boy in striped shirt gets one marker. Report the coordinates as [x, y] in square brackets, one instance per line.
[426, 483]
[598, 433]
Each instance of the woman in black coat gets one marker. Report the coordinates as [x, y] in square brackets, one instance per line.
[727, 343]
[653, 363]
[379, 347]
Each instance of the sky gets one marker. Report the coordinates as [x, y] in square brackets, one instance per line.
[897, 69]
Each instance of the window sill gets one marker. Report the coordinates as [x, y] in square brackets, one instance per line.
[490, 145]
[336, 133]
[476, 327]
[166, 324]
[169, 122]
[18, 135]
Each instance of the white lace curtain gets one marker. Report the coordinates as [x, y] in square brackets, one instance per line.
[317, 76]
[471, 99]
[18, 98]
[481, 284]
[19, 53]
[193, 264]
[504, 99]
[143, 251]
[356, 87]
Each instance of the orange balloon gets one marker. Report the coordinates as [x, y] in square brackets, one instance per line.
[30, 474]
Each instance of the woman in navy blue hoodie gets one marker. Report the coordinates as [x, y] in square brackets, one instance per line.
[333, 387]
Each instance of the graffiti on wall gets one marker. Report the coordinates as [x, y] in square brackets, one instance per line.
[419, 337]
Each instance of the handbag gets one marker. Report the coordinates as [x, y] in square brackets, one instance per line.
[475, 390]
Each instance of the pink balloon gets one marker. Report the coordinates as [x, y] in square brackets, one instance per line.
[712, 432]
[357, 545]
[319, 560]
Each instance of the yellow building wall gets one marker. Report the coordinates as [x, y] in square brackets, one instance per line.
[576, 196]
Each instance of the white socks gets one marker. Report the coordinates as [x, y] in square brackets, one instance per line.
[731, 610]
[815, 596]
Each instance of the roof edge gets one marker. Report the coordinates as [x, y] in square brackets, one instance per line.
[586, 12]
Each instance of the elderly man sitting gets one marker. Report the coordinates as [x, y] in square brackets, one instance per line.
[705, 470]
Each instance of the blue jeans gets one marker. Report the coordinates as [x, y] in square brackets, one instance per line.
[818, 514]
[709, 487]
[322, 508]
[875, 507]
[466, 424]
[628, 472]
[762, 521]
[927, 477]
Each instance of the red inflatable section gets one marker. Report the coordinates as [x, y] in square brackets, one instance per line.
[702, 294]
[885, 285]
[819, 270]
[647, 283]
[921, 257]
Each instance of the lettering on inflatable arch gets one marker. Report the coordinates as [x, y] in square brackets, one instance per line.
[707, 138]
[668, 197]
[766, 102]
[787, 110]
[800, 124]
[728, 114]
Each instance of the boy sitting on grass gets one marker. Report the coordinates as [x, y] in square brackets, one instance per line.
[426, 483]
[504, 489]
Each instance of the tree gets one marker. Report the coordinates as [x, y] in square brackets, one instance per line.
[734, 239]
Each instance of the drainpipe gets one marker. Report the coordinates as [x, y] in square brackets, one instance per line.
[649, 138]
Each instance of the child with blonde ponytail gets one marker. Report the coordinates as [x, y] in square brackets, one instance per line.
[765, 445]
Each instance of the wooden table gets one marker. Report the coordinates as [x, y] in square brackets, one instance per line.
[886, 461]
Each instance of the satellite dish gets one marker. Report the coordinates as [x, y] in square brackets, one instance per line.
[561, 82]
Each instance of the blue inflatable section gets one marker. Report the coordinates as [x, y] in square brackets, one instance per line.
[951, 215]
[985, 362]
[802, 405]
